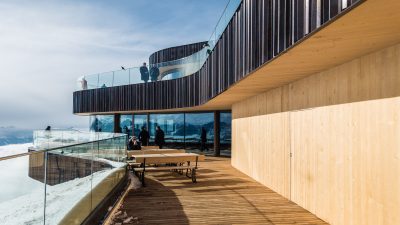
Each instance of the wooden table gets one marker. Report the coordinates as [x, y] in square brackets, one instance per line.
[173, 161]
[167, 158]
[153, 151]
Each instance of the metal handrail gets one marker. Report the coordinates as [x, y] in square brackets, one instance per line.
[55, 148]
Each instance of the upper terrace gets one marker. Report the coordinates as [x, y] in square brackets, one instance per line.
[170, 63]
[255, 52]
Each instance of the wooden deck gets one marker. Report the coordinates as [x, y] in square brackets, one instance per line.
[222, 195]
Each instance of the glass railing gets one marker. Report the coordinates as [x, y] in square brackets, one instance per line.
[56, 138]
[165, 70]
[60, 185]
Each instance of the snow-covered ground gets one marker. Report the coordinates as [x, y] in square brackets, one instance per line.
[14, 149]
[22, 198]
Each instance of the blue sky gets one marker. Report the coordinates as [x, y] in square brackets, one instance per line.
[46, 45]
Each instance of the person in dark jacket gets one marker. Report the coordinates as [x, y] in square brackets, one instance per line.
[144, 136]
[203, 140]
[134, 144]
[144, 73]
[48, 128]
[160, 137]
[154, 73]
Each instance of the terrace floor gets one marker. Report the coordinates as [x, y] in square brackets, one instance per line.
[223, 195]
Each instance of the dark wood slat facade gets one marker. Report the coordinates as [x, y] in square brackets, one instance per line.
[258, 32]
[174, 53]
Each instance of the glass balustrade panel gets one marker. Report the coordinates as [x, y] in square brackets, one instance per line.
[22, 189]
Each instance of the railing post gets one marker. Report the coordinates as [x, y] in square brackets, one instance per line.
[45, 188]
[133, 124]
[217, 119]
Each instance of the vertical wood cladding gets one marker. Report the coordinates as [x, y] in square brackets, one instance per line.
[174, 53]
[259, 31]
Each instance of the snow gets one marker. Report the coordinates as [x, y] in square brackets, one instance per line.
[26, 204]
[60, 199]
[14, 149]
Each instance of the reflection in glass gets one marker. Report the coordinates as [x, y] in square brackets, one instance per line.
[171, 124]
[126, 124]
[194, 123]
[140, 121]
[102, 123]
[225, 128]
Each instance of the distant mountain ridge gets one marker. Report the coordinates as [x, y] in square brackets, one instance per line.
[12, 135]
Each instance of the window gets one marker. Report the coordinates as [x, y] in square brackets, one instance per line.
[194, 123]
[171, 124]
[140, 121]
[102, 123]
[126, 124]
[226, 128]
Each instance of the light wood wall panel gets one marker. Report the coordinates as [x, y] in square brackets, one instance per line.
[268, 163]
[345, 166]
[342, 128]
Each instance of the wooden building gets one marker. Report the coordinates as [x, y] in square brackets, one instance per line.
[314, 90]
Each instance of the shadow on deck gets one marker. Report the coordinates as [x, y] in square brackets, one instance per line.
[222, 195]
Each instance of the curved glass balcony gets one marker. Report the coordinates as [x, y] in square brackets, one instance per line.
[63, 179]
[165, 70]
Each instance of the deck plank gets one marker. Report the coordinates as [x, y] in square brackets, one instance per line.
[223, 195]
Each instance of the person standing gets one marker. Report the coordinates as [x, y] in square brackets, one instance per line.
[154, 73]
[84, 84]
[144, 136]
[203, 138]
[160, 137]
[144, 73]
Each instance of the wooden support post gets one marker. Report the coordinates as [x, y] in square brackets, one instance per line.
[217, 119]
[133, 125]
[117, 121]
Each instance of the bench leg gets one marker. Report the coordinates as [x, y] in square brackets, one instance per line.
[142, 179]
[194, 175]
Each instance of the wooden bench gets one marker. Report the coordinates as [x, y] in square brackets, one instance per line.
[150, 147]
[173, 162]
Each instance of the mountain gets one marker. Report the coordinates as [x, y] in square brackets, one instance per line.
[12, 135]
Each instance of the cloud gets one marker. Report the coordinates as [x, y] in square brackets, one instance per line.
[46, 45]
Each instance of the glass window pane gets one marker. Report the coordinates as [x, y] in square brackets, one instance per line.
[140, 121]
[171, 124]
[102, 123]
[126, 124]
[194, 123]
[226, 128]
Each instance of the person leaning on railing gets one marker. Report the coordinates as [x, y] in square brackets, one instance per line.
[144, 73]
